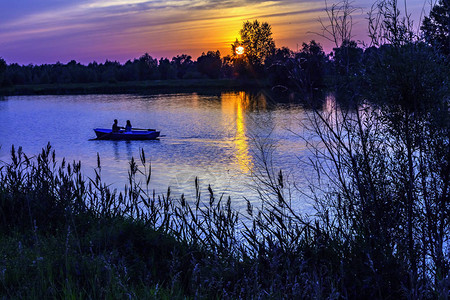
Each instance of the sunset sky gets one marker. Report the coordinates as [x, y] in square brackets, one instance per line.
[48, 31]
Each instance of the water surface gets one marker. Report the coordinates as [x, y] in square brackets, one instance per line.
[212, 137]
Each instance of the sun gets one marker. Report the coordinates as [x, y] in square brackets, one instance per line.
[239, 50]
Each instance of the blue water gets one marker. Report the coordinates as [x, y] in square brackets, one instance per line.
[212, 137]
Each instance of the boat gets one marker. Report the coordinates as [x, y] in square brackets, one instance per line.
[135, 134]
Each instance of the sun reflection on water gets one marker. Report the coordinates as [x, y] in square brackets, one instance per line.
[234, 107]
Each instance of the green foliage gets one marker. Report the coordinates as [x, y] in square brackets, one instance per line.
[70, 265]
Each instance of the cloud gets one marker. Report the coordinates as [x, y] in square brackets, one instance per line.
[123, 14]
[132, 27]
[135, 26]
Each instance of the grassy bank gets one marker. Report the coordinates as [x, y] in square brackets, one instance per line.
[63, 235]
[145, 87]
[66, 236]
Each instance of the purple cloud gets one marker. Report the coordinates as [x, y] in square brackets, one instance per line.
[56, 30]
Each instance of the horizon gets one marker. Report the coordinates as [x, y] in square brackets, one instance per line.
[120, 30]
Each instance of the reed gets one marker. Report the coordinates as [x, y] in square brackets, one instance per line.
[64, 235]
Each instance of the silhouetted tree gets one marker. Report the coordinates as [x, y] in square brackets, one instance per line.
[279, 67]
[210, 64]
[227, 66]
[312, 61]
[281, 54]
[347, 69]
[347, 58]
[436, 27]
[147, 66]
[256, 38]
[109, 71]
[339, 27]
[166, 70]
[390, 159]
[2, 70]
[182, 63]
[129, 71]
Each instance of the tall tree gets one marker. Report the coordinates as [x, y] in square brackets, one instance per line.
[2, 70]
[436, 27]
[256, 38]
[182, 63]
[166, 69]
[210, 64]
[312, 61]
[147, 65]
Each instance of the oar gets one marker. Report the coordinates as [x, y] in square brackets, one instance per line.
[143, 129]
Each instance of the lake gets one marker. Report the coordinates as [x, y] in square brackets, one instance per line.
[214, 137]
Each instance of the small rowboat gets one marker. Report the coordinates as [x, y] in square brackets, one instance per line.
[135, 134]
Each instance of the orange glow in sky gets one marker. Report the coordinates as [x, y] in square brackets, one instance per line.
[95, 30]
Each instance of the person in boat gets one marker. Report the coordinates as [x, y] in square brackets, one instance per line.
[128, 126]
[115, 127]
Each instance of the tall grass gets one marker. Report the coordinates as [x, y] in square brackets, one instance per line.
[63, 235]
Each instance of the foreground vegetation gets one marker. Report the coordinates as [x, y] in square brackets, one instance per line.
[380, 229]
[381, 226]
[66, 236]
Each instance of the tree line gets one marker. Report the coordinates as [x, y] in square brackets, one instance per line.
[143, 68]
[309, 68]
[280, 66]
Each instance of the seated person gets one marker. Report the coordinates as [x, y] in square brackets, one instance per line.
[128, 126]
[115, 127]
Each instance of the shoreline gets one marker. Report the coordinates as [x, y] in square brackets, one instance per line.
[137, 87]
